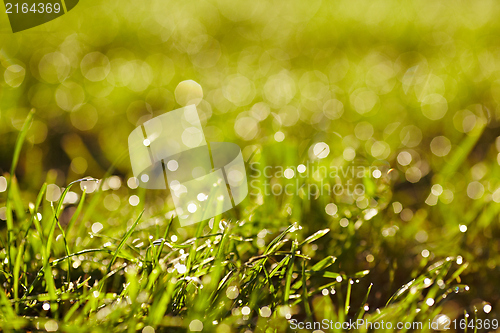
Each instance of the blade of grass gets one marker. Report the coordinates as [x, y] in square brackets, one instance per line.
[314, 237]
[5, 305]
[289, 273]
[164, 238]
[34, 215]
[361, 310]
[15, 160]
[304, 292]
[348, 297]
[463, 150]
[192, 250]
[17, 269]
[97, 193]
[124, 239]
[57, 211]
[77, 212]
[49, 279]
[275, 241]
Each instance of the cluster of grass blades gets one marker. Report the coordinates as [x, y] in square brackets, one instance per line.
[217, 280]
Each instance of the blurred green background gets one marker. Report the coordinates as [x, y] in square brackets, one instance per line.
[412, 87]
[97, 72]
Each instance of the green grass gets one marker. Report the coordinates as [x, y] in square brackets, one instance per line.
[410, 89]
[221, 276]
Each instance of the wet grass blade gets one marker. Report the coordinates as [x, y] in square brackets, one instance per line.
[165, 235]
[314, 237]
[361, 310]
[77, 212]
[272, 246]
[348, 297]
[305, 298]
[124, 239]
[34, 215]
[96, 198]
[55, 217]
